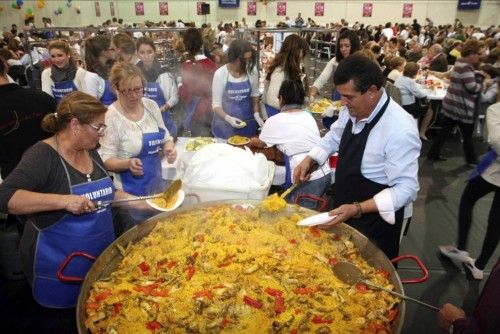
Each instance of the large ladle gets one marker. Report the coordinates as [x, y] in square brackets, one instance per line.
[170, 191]
[350, 274]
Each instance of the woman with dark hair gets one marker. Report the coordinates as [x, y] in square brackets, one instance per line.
[286, 65]
[197, 73]
[235, 93]
[99, 57]
[125, 47]
[410, 91]
[160, 86]
[55, 186]
[63, 76]
[295, 132]
[347, 43]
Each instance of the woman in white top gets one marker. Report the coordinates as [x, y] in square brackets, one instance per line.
[397, 65]
[160, 84]
[410, 90]
[286, 65]
[347, 43]
[235, 94]
[99, 57]
[63, 76]
[294, 131]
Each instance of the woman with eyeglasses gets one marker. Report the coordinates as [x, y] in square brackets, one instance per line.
[160, 84]
[54, 189]
[99, 57]
[235, 94]
[137, 139]
[63, 76]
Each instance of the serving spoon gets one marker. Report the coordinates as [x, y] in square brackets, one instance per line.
[350, 274]
[170, 191]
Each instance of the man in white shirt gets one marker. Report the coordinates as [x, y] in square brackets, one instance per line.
[378, 146]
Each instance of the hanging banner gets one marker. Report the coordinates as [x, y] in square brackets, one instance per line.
[229, 3]
[198, 8]
[469, 4]
[97, 7]
[281, 8]
[139, 8]
[163, 7]
[112, 8]
[367, 9]
[407, 9]
[251, 8]
[319, 9]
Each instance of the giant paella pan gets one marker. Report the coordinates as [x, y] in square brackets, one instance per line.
[232, 267]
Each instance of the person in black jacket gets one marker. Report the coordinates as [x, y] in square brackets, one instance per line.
[21, 112]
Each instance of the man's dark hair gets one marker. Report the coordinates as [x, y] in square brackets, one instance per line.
[292, 92]
[362, 71]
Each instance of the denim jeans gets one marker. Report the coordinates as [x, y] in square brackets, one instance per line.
[316, 188]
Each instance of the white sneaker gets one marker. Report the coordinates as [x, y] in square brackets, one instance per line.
[476, 273]
[454, 253]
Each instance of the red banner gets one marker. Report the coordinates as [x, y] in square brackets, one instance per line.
[281, 8]
[407, 9]
[97, 7]
[251, 8]
[198, 8]
[139, 8]
[163, 7]
[367, 9]
[319, 9]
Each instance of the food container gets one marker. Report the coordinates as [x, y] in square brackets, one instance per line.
[209, 193]
[111, 257]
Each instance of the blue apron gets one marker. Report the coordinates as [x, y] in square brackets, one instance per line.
[483, 165]
[189, 110]
[153, 91]
[151, 180]
[271, 111]
[328, 121]
[108, 96]
[62, 88]
[236, 102]
[90, 233]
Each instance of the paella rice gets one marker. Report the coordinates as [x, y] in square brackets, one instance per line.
[230, 269]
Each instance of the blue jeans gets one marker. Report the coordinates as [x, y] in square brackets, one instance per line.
[316, 188]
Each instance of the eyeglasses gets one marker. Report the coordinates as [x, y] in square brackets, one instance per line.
[99, 128]
[129, 92]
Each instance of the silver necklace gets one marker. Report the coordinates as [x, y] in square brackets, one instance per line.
[87, 175]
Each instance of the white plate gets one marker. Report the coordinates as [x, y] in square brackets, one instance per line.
[316, 219]
[180, 199]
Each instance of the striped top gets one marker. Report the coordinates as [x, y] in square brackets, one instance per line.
[460, 101]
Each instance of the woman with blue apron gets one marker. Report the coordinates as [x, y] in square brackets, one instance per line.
[63, 76]
[56, 186]
[136, 140]
[236, 106]
[88, 233]
[99, 58]
[158, 82]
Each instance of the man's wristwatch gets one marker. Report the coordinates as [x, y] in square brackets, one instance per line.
[359, 213]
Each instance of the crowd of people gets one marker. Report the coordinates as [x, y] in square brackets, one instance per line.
[112, 106]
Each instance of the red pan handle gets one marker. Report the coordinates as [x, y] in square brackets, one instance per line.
[425, 273]
[65, 263]
[322, 202]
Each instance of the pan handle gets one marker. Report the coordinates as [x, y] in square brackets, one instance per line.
[420, 264]
[322, 202]
[64, 264]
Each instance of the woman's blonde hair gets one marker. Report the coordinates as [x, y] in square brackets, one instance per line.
[60, 45]
[124, 72]
[85, 108]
